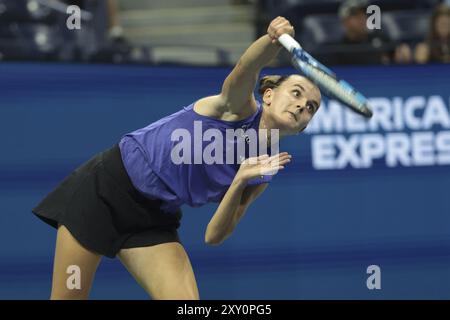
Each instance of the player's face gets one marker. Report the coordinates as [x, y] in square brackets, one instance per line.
[293, 104]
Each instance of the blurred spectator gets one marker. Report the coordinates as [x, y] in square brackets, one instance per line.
[106, 17]
[102, 39]
[436, 47]
[115, 29]
[364, 46]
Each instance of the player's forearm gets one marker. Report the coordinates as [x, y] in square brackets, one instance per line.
[259, 54]
[223, 220]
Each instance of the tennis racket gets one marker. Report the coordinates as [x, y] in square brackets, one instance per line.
[324, 78]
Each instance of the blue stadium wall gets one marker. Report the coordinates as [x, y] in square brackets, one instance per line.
[344, 203]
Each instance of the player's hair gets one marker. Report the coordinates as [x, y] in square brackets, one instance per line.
[271, 81]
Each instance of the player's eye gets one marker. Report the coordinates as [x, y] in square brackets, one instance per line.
[310, 107]
[297, 93]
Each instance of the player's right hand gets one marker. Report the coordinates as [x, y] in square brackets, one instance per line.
[279, 26]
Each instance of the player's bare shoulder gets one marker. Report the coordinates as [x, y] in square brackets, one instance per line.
[216, 107]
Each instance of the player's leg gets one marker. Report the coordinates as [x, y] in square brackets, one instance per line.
[68, 253]
[163, 270]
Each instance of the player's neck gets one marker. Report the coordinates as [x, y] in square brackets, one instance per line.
[268, 124]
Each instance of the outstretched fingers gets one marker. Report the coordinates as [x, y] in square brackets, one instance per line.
[271, 165]
[280, 158]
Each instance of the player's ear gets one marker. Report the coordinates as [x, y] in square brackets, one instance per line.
[268, 96]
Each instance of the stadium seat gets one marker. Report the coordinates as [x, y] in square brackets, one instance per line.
[320, 29]
[389, 5]
[25, 11]
[406, 25]
[30, 41]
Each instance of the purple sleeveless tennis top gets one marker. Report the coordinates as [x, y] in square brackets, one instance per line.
[148, 155]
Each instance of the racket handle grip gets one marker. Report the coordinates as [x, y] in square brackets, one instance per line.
[288, 42]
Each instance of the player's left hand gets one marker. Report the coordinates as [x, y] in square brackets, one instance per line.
[263, 165]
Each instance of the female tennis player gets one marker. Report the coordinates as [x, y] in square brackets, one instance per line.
[126, 200]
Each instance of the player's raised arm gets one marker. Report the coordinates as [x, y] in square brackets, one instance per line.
[237, 89]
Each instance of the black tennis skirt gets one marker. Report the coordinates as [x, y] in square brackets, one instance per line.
[101, 208]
